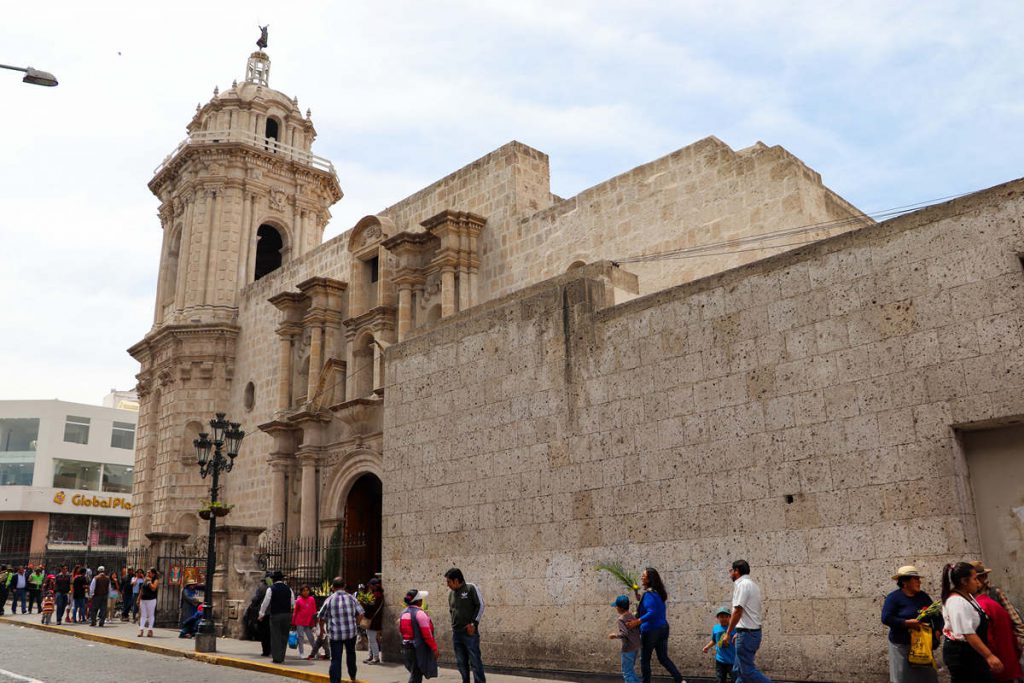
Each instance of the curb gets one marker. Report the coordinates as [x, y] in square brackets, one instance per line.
[206, 658]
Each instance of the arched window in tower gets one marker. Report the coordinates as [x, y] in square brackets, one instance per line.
[268, 250]
[272, 133]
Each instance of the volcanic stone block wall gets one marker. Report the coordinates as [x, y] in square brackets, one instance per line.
[800, 412]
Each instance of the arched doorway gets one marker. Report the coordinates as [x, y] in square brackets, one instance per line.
[361, 549]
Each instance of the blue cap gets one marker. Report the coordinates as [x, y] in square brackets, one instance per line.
[621, 601]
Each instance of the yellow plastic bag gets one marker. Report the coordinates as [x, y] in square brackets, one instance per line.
[921, 647]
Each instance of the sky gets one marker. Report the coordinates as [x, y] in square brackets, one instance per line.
[893, 103]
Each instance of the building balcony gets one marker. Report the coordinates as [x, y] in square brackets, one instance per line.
[249, 139]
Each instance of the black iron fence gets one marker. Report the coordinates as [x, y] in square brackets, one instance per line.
[309, 561]
[114, 560]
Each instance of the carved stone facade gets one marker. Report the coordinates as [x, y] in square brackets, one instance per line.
[479, 334]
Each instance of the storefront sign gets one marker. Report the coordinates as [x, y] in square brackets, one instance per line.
[87, 500]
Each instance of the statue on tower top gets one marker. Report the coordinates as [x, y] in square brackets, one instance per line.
[262, 42]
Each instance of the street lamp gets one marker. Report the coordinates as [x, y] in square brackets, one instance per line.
[34, 76]
[227, 434]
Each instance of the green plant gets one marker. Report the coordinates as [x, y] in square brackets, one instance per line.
[332, 557]
[628, 579]
[207, 505]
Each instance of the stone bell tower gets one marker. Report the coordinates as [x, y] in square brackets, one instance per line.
[241, 196]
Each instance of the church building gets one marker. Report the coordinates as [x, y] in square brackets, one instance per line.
[709, 356]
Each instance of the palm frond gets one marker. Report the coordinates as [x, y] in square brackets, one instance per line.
[628, 579]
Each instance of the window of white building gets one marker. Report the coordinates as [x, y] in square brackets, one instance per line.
[76, 429]
[75, 474]
[18, 436]
[123, 435]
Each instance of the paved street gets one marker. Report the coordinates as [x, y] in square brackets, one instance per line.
[33, 655]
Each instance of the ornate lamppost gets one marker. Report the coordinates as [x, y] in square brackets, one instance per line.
[228, 436]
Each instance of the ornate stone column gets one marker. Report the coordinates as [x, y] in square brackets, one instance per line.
[292, 305]
[447, 291]
[308, 502]
[284, 372]
[404, 309]
[315, 358]
[278, 495]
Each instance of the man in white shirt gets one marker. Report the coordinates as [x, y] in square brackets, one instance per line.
[745, 624]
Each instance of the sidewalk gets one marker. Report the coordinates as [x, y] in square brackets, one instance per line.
[245, 654]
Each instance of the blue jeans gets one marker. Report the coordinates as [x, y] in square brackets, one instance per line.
[78, 609]
[747, 644]
[629, 667]
[62, 604]
[655, 640]
[19, 596]
[467, 655]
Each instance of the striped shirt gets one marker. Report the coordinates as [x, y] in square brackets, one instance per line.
[340, 611]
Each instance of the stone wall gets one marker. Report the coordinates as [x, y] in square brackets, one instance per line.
[798, 412]
[702, 194]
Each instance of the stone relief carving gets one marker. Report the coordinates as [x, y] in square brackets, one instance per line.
[277, 199]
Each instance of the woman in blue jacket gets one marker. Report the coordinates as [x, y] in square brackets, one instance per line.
[653, 625]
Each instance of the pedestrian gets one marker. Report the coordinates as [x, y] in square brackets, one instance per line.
[62, 590]
[653, 623]
[277, 609]
[339, 613]
[466, 605]
[47, 608]
[899, 613]
[964, 650]
[5, 574]
[303, 619]
[630, 637]
[147, 602]
[127, 594]
[99, 589]
[419, 647]
[725, 655]
[190, 626]
[140, 578]
[188, 603]
[745, 624]
[79, 589]
[256, 628]
[375, 621]
[999, 596]
[114, 595]
[35, 589]
[1001, 638]
[18, 586]
[323, 641]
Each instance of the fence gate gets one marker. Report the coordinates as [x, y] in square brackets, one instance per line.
[179, 565]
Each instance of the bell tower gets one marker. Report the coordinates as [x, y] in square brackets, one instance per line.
[241, 196]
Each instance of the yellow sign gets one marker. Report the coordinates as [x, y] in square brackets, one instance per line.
[83, 500]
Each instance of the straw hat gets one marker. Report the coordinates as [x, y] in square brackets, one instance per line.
[980, 567]
[906, 570]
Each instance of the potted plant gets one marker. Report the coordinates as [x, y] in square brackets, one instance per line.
[217, 509]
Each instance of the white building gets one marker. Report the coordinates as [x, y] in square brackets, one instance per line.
[65, 477]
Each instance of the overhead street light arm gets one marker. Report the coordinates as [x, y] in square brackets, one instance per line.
[33, 76]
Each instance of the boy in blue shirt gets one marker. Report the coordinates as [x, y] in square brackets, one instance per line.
[725, 657]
